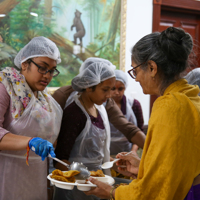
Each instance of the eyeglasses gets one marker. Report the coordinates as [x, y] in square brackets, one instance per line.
[44, 70]
[132, 71]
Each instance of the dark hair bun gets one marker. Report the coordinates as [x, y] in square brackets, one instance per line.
[176, 44]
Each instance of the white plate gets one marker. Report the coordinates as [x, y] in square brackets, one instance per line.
[79, 183]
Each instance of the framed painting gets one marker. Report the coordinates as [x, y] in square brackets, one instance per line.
[80, 29]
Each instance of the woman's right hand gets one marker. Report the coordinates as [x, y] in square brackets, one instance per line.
[41, 147]
[131, 161]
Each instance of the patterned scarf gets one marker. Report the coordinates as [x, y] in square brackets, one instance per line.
[20, 92]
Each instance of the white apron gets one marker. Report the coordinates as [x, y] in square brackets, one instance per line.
[119, 143]
[98, 146]
[91, 148]
[19, 181]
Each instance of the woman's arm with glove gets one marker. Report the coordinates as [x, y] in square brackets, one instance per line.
[41, 147]
[17, 142]
[14, 142]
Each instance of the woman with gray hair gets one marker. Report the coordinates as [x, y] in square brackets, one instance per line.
[170, 165]
[29, 119]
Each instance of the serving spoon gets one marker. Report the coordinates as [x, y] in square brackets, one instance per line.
[84, 172]
[109, 164]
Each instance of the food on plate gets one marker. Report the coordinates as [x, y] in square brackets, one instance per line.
[57, 172]
[70, 173]
[98, 173]
[67, 176]
[60, 178]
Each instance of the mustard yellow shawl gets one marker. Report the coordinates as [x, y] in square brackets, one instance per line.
[171, 155]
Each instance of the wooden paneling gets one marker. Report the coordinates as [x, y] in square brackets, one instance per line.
[178, 13]
[184, 4]
[156, 16]
[190, 23]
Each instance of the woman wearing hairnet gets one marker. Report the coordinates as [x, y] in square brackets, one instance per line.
[193, 77]
[119, 142]
[85, 132]
[118, 95]
[29, 119]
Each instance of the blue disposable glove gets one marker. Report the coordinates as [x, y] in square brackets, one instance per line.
[41, 147]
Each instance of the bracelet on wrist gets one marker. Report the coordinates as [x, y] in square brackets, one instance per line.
[27, 152]
[111, 194]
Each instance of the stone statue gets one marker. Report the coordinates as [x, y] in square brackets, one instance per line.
[80, 30]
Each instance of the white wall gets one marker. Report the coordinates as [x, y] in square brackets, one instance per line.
[139, 23]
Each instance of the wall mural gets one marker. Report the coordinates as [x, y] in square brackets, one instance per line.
[80, 28]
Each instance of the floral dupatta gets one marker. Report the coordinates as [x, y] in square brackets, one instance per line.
[20, 92]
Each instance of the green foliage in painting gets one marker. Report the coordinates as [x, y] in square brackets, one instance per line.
[24, 26]
[4, 32]
[101, 19]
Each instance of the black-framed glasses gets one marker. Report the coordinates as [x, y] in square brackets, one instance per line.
[44, 70]
[132, 71]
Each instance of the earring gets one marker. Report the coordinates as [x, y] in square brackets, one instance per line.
[153, 77]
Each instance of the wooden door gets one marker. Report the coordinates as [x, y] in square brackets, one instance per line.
[180, 13]
[190, 23]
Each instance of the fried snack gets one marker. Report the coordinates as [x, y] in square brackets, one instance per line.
[64, 176]
[70, 173]
[92, 173]
[71, 179]
[98, 173]
[59, 178]
[114, 173]
[57, 172]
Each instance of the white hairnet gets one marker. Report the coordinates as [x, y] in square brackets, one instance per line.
[122, 77]
[92, 72]
[38, 47]
[193, 77]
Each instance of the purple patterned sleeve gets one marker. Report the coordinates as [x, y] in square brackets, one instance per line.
[137, 109]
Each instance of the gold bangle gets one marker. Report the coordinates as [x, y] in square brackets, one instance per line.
[111, 193]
